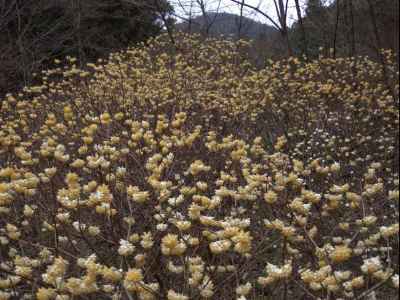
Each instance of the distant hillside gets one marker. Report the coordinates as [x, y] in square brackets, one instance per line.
[227, 24]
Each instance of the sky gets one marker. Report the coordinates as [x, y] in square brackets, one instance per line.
[182, 7]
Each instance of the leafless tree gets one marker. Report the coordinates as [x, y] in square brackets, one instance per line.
[336, 27]
[303, 31]
[240, 21]
[188, 10]
[281, 9]
[34, 32]
[349, 26]
[379, 47]
[208, 20]
[184, 12]
[21, 52]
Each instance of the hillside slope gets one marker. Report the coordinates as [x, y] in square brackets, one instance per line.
[227, 24]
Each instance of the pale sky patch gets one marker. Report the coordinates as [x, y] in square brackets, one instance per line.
[182, 7]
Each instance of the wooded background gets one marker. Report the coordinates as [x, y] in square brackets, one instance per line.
[33, 33]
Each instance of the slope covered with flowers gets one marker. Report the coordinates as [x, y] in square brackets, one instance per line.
[183, 173]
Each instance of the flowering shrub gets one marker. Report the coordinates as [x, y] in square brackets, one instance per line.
[186, 174]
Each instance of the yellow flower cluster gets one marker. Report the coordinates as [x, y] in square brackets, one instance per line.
[185, 173]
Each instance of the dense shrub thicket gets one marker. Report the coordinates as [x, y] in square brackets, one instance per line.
[183, 173]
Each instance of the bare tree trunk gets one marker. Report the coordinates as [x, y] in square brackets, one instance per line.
[78, 16]
[208, 22]
[352, 33]
[239, 33]
[281, 11]
[190, 17]
[165, 21]
[336, 27]
[285, 36]
[349, 23]
[379, 48]
[206, 26]
[186, 15]
[21, 46]
[303, 31]
[346, 25]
